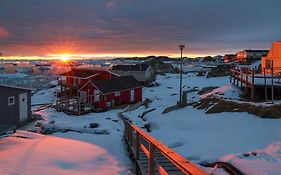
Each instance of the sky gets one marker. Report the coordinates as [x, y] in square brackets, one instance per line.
[137, 27]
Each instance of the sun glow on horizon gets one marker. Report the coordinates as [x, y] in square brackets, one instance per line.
[65, 57]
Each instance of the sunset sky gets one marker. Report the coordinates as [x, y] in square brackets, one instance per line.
[137, 27]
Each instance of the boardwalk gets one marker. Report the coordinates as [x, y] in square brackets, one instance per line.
[153, 157]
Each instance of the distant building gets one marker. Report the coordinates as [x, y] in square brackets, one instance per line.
[273, 59]
[15, 105]
[247, 56]
[229, 58]
[142, 72]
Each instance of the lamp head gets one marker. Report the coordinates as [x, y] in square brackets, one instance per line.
[181, 46]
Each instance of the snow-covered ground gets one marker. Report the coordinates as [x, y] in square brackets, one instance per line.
[197, 136]
[28, 153]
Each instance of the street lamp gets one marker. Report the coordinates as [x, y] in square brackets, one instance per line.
[181, 47]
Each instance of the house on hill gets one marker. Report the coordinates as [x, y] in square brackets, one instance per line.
[272, 59]
[142, 72]
[107, 93]
[73, 80]
[247, 56]
[15, 106]
[87, 90]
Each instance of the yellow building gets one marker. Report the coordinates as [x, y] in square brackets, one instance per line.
[273, 59]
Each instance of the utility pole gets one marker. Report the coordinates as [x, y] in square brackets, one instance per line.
[181, 47]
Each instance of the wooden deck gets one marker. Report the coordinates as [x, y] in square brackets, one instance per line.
[252, 81]
[73, 106]
[152, 157]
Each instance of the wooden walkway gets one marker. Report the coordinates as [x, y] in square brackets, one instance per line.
[152, 157]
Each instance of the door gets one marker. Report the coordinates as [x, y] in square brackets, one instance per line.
[96, 96]
[23, 108]
[132, 95]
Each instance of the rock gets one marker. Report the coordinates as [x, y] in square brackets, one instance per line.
[201, 74]
[220, 71]
[147, 127]
[214, 105]
[94, 125]
[159, 66]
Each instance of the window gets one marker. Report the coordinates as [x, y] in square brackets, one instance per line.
[108, 104]
[268, 64]
[11, 101]
[117, 94]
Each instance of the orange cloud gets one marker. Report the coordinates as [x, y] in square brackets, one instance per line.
[4, 32]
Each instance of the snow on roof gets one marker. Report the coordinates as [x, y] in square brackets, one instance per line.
[28, 153]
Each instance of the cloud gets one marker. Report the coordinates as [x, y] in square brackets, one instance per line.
[4, 33]
[110, 5]
[129, 26]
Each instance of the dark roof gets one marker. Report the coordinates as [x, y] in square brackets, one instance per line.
[128, 82]
[3, 86]
[116, 84]
[256, 50]
[108, 85]
[130, 67]
[79, 73]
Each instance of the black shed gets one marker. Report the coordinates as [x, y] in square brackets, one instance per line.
[15, 105]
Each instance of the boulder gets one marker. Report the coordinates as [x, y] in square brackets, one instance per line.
[220, 71]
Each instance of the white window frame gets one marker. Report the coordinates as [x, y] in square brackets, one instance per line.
[13, 100]
[117, 94]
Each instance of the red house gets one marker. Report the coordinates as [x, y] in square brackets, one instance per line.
[76, 78]
[106, 93]
[100, 88]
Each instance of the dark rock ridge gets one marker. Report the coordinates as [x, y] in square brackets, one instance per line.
[220, 71]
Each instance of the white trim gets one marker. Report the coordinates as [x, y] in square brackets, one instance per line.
[81, 77]
[113, 73]
[13, 100]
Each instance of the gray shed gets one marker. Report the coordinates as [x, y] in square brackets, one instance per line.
[15, 105]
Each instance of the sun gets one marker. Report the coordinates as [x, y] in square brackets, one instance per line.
[64, 57]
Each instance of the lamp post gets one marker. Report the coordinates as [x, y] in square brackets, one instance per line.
[181, 47]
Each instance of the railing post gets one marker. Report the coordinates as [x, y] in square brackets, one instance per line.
[241, 82]
[137, 146]
[265, 86]
[272, 83]
[151, 160]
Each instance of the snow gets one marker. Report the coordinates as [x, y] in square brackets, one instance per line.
[258, 162]
[44, 96]
[204, 137]
[198, 136]
[29, 153]
[112, 142]
[15, 75]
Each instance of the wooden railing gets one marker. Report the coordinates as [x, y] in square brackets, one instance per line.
[140, 142]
